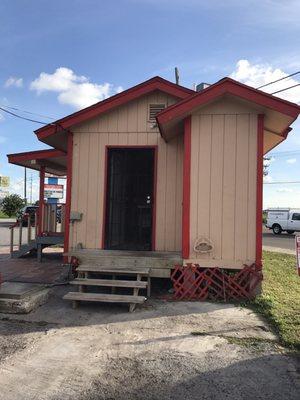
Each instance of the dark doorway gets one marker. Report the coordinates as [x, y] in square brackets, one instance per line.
[129, 199]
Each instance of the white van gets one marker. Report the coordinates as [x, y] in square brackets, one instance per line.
[283, 219]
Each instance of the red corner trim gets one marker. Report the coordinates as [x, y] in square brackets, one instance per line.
[156, 83]
[68, 193]
[259, 188]
[35, 155]
[227, 86]
[186, 189]
[41, 200]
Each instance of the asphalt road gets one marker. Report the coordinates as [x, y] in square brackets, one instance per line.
[283, 241]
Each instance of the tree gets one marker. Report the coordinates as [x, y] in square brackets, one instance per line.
[11, 204]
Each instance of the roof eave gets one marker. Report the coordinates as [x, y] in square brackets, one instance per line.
[156, 83]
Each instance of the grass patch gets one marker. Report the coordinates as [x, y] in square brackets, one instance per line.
[254, 343]
[3, 215]
[279, 302]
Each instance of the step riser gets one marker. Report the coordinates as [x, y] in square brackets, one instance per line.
[121, 253]
[142, 262]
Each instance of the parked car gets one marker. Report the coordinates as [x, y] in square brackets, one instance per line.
[283, 220]
[27, 212]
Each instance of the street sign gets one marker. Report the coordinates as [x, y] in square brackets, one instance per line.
[4, 181]
[54, 191]
[297, 242]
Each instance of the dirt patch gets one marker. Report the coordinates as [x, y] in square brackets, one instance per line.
[16, 336]
[104, 352]
[176, 375]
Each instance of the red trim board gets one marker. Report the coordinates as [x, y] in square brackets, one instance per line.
[41, 200]
[35, 155]
[68, 193]
[186, 189]
[155, 148]
[156, 83]
[259, 188]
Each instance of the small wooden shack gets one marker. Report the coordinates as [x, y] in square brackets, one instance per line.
[160, 175]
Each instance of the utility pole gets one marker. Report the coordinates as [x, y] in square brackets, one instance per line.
[176, 76]
[25, 185]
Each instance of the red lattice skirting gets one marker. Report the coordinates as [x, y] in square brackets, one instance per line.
[191, 282]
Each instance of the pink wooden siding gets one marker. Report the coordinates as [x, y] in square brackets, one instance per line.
[223, 184]
[127, 125]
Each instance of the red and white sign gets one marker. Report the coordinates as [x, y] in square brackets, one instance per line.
[297, 241]
[53, 191]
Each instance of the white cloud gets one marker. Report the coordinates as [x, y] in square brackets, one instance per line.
[268, 179]
[13, 81]
[285, 190]
[269, 161]
[73, 89]
[259, 74]
[2, 139]
[291, 160]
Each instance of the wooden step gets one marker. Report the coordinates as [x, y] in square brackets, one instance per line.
[106, 298]
[110, 283]
[116, 271]
[24, 249]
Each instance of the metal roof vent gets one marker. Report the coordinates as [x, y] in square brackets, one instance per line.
[202, 86]
[154, 109]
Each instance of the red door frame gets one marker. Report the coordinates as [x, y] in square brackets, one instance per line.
[107, 148]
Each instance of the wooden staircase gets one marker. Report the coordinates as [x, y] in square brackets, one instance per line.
[24, 249]
[116, 278]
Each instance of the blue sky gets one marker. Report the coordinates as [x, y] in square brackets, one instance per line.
[59, 56]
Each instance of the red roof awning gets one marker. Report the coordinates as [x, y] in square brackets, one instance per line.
[54, 161]
[279, 113]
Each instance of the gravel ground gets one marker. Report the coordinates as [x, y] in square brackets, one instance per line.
[18, 335]
[164, 350]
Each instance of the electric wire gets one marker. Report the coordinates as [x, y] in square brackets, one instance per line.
[282, 90]
[25, 118]
[27, 112]
[278, 80]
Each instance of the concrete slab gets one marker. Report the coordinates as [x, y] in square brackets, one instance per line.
[24, 305]
[18, 290]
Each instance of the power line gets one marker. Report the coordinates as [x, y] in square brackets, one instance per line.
[27, 112]
[26, 119]
[278, 80]
[282, 90]
[281, 183]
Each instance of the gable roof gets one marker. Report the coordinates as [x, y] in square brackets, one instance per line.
[156, 83]
[226, 86]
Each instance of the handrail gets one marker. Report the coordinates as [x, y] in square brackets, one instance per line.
[50, 225]
[19, 224]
